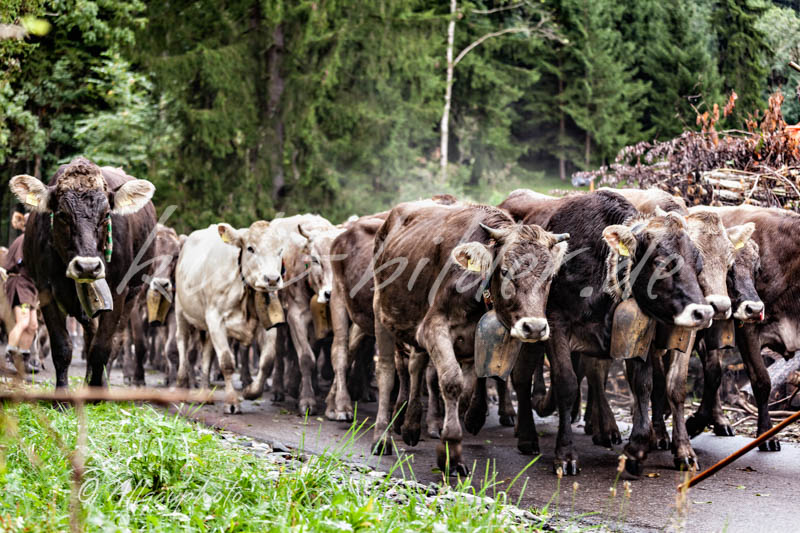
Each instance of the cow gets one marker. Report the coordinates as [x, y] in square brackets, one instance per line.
[221, 274]
[308, 274]
[615, 253]
[420, 299]
[351, 305]
[90, 223]
[777, 234]
[748, 308]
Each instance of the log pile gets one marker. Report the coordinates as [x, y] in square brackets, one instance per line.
[759, 165]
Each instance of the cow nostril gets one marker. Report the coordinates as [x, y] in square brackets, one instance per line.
[327, 294]
[698, 315]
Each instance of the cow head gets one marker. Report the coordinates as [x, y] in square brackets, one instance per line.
[316, 256]
[521, 265]
[747, 305]
[654, 260]
[79, 204]
[260, 250]
[716, 246]
[167, 249]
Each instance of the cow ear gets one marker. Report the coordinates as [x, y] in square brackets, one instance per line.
[229, 235]
[31, 192]
[131, 197]
[739, 235]
[620, 239]
[473, 256]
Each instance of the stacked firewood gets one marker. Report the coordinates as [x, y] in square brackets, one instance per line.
[759, 165]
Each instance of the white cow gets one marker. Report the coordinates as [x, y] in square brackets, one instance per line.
[220, 270]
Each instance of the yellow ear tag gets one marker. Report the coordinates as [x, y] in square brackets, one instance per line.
[472, 267]
[31, 199]
[739, 245]
[225, 238]
[623, 250]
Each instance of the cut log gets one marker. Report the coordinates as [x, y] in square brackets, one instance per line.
[782, 374]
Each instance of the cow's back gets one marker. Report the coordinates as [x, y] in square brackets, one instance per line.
[647, 200]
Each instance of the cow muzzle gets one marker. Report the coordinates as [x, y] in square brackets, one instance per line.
[324, 295]
[721, 305]
[750, 311]
[269, 282]
[695, 316]
[531, 330]
[162, 285]
[86, 269]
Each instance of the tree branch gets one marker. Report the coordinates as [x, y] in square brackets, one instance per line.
[477, 42]
[497, 9]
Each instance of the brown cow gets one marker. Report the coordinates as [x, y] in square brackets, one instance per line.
[421, 300]
[777, 233]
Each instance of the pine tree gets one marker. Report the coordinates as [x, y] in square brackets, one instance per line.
[742, 52]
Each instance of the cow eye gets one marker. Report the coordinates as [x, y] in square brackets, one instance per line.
[251, 250]
[504, 272]
[314, 260]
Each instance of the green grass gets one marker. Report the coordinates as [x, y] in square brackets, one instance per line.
[148, 470]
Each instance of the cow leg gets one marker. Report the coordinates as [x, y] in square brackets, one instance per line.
[505, 409]
[435, 335]
[244, 365]
[749, 343]
[218, 337]
[640, 379]
[710, 410]
[298, 329]
[282, 352]
[102, 340]
[401, 357]
[522, 378]
[605, 430]
[411, 428]
[580, 372]
[171, 351]
[384, 370]
[206, 363]
[266, 362]
[435, 418]
[140, 349]
[60, 342]
[183, 333]
[476, 395]
[660, 436]
[684, 455]
[338, 405]
[565, 387]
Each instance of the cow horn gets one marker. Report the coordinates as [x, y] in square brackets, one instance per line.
[301, 232]
[496, 234]
[560, 237]
[660, 212]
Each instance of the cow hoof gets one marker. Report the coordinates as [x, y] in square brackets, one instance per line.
[139, 382]
[632, 470]
[723, 430]
[687, 463]
[308, 406]
[452, 463]
[381, 446]
[278, 397]
[772, 445]
[508, 420]
[695, 425]
[662, 443]
[250, 394]
[527, 447]
[127, 381]
[568, 468]
[232, 409]
[411, 435]
[434, 433]
[474, 422]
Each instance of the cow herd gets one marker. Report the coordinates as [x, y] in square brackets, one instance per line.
[435, 297]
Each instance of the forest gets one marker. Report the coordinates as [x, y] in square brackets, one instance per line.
[242, 109]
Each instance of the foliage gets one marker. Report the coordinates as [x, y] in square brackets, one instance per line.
[243, 109]
[147, 470]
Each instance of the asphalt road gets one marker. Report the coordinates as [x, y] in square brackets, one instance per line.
[757, 493]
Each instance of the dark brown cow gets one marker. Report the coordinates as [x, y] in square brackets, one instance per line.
[71, 218]
[423, 301]
[777, 233]
[615, 253]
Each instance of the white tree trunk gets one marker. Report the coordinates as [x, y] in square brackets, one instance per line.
[445, 127]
